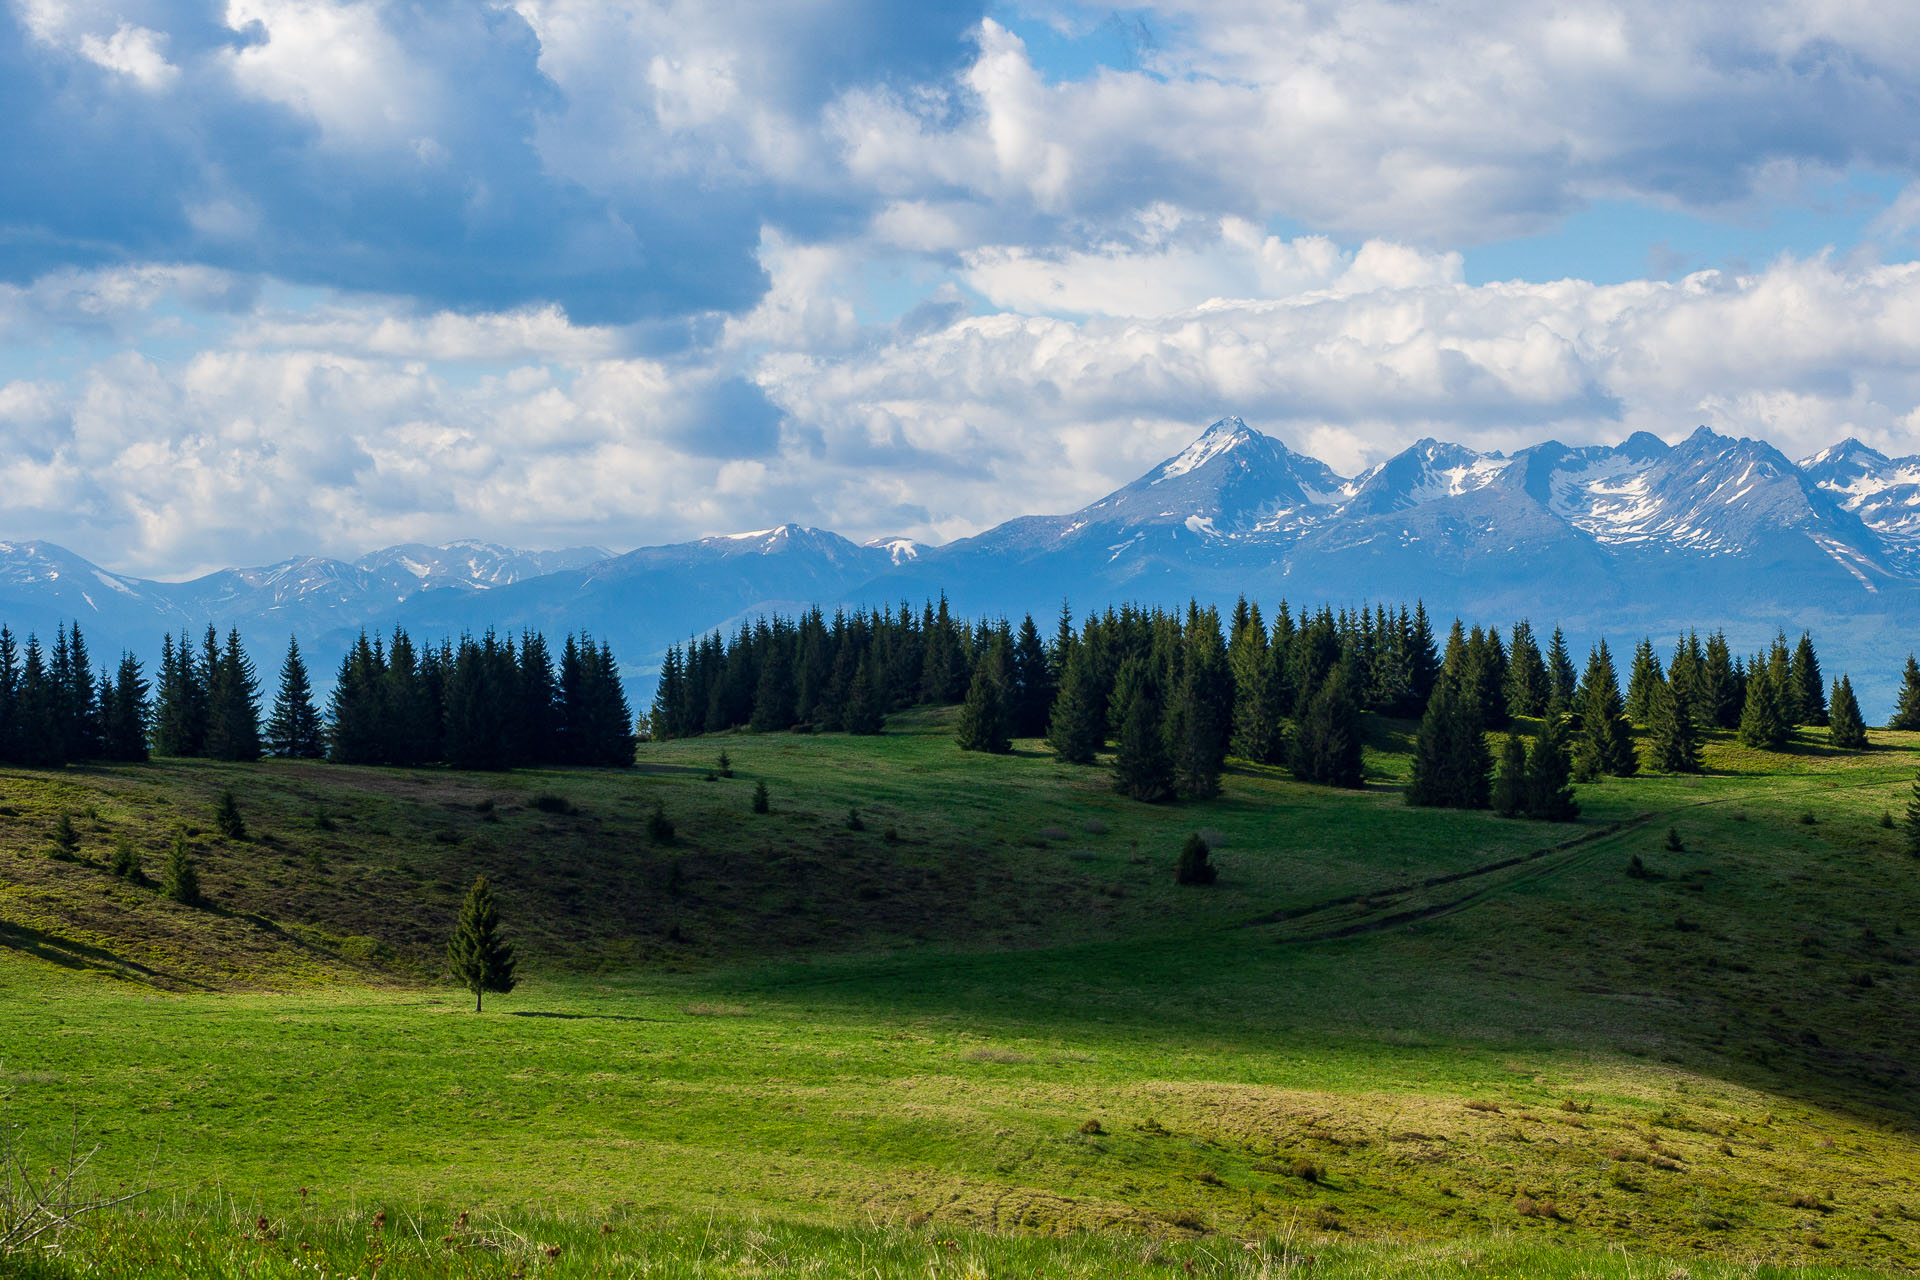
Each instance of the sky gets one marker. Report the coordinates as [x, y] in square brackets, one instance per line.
[284, 277]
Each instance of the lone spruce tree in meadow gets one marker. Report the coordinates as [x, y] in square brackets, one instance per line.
[1671, 732]
[1906, 715]
[479, 958]
[1845, 727]
[293, 730]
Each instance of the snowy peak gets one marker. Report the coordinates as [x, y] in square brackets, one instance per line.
[1883, 492]
[1427, 471]
[1230, 480]
[469, 564]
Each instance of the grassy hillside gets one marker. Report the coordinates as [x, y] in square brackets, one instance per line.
[991, 1009]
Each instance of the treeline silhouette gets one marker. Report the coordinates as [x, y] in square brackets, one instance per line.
[480, 703]
[1174, 694]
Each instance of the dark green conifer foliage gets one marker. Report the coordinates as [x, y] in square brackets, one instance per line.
[66, 841]
[1845, 727]
[762, 802]
[1327, 741]
[227, 817]
[861, 714]
[1671, 733]
[1762, 725]
[1810, 692]
[1199, 717]
[1605, 744]
[1142, 768]
[1076, 732]
[1195, 865]
[1913, 821]
[1423, 662]
[1722, 695]
[984, 716]
[1256, 696]
[1450, 758]
[293, 730]
[1641, 679]
[1549, 798]
[9, 695]
[774, 697]
[1528, 684]
[1033, 681]
[1906, 714]
[37, 735]
[478, 957]
[181, 881]
[126, 860]
[659, 826]
[1510, 779]
[125, 712]
[233, 701]
[1560, 675]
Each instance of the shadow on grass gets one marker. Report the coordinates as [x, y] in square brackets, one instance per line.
[579, 1017]
[69, 954]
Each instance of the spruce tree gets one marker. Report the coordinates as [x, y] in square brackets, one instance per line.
[1327, 741]
[1845, 727]
[1722, 695]
[1906, 714]
[1605, 744]
[1193, 865]
[1510, 780]
[126, 712]
[1810, 690]
[293, 730]
[1255, 701]
[1671, 732]
[126, 860]
[181, 882]
[1527, 680]
[1450, 758]
[1142, 768]
[861, 715]
[1913, 821]
[984, 716]
[1199, 716]
[227, 817]
[479, 958]
[1762, 725]
[762, 802]
[233, 702]
[1075, 732]
[1033, 680]
[1560, 675]
[1642, 678]
[1549, 798]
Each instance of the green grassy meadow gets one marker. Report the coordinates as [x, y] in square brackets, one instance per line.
[985, 1034]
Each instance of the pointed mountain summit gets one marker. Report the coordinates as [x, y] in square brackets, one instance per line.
[1232, 479]
[1883, 492]
[1426, 471]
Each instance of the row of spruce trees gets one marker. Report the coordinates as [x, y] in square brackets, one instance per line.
[482, 703]
[1176, 695]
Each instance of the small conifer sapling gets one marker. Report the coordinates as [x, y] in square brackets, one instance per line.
[226, 816]
[182, 882]
[126, 859]
[659, 826]
[479, 958]
[726, 765]
[761, 802]
[66, 841]
[1194, 866]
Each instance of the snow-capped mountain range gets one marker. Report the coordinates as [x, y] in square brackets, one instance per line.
[1620, 540]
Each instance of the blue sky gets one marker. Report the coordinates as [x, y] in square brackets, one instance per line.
[291, 276]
